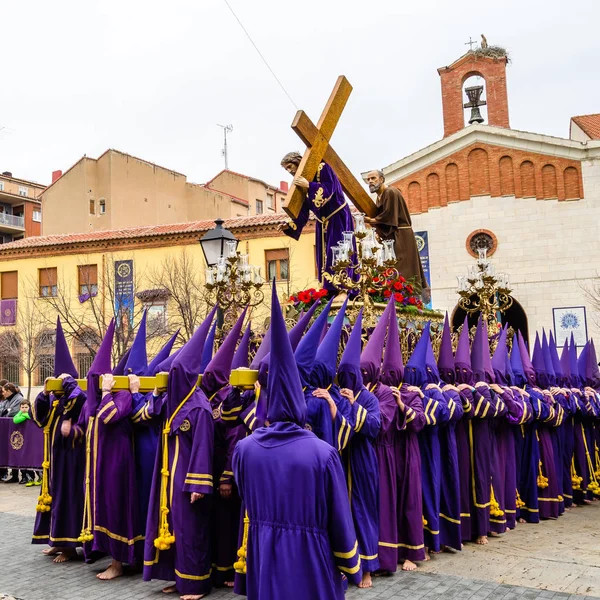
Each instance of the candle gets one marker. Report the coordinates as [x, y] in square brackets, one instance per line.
[210, 276]
[359, 223]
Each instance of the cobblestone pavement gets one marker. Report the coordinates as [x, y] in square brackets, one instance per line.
[27, 575]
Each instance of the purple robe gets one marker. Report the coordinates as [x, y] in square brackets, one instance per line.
[436, 414]
[304, 544]
[190, 457]
[362, 473]
[450, 520]
[326, 200]
[61, 526]
[336, 432]
[468, 395]
[226, 511]
[399, 459]
[111, 510]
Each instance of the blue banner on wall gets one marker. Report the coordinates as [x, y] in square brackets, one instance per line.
[124, 293]
[422, 238]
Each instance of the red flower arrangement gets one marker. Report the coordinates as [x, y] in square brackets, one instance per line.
[403, 291]
[307, 298]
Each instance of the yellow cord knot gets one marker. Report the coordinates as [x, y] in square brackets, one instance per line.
[425, 523]
[240, 565]
[164, 472]
[46, 464]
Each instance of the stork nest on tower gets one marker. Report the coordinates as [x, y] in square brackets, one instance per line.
[492, 52]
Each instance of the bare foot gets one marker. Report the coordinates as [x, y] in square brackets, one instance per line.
[427, 556]
[114, 570]
[189, 597]
[170, 589]
[229, 584]
[481, 540]
[51, 551]
[522, 521]
[409, 565]
[66, 555]
[366, 582]
[587, 501]
[493, 534]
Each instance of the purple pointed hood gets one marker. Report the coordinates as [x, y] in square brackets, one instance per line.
[527, 364]
[415, 371]
[165, 365]
[100, 366]
[539, 365]
[433, 375]
[185, 368]
[582, 364]
[297, 331]
[286, 398]
[573, 363]
[240, 358]
[349, 373]
[445, 361]
[392, 369]
[324, 367]
[262, 350]
[556, 366]
[499, 359]
[565, 365]
[63, 363]
[550, 375]
[120, 368]
[371, 358]
[481, 361]
[163, 354]
[516, 364]
[137, 362]
[216, 374]
[307, 348]
[462, 358]
[510, 378]
[209, 346]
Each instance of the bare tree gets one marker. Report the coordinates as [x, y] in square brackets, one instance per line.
[29, 345]
[93, 310]
[178, 279]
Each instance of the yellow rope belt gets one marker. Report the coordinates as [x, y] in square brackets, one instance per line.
[45, 499]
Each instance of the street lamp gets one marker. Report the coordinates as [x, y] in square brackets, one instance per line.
[214, 242]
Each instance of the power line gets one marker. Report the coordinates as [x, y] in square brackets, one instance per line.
[260, 54]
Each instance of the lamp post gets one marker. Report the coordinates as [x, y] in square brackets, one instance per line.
[483, 290]
[231, 282]
[213, 242]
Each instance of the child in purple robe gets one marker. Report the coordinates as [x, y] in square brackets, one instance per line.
[58, 521]
[177, 545]
[298, 533]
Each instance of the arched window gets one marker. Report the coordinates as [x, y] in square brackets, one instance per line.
[44, 351]
[11, 355]
[85, 347]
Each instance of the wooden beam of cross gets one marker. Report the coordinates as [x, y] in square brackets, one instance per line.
[318, 149]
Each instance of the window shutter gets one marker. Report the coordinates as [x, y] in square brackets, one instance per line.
[10, 284]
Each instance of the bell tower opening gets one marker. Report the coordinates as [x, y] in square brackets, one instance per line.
[461, 89]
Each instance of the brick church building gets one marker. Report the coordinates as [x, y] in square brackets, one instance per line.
[533, 200]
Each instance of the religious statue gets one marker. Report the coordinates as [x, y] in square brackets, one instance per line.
[484, 42]
[325, 198]
[393, 222]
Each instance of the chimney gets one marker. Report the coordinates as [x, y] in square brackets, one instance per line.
[283, 186]
[56, 175]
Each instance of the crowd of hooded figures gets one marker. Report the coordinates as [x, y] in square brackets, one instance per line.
[327, 471]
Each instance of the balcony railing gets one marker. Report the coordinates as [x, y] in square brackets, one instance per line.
[12, 220]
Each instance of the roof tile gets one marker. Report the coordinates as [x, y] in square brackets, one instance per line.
[590, 124]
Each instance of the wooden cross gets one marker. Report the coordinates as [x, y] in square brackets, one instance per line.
[318, 149]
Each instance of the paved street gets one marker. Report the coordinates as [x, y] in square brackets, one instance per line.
[561, 555]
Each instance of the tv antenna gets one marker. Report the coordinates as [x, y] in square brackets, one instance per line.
[226, 129]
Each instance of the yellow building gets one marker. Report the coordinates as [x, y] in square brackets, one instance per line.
[82, 278]
[120, 190]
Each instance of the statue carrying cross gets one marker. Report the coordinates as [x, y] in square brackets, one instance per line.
[319, 178]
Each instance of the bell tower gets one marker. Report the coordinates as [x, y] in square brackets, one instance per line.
[488, 63]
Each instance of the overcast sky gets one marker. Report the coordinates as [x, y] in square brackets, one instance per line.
[153, 78]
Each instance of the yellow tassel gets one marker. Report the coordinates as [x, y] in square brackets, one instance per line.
[495, 510]
[425, 523]
[520, 503]
[240, 565]
[542, 480]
